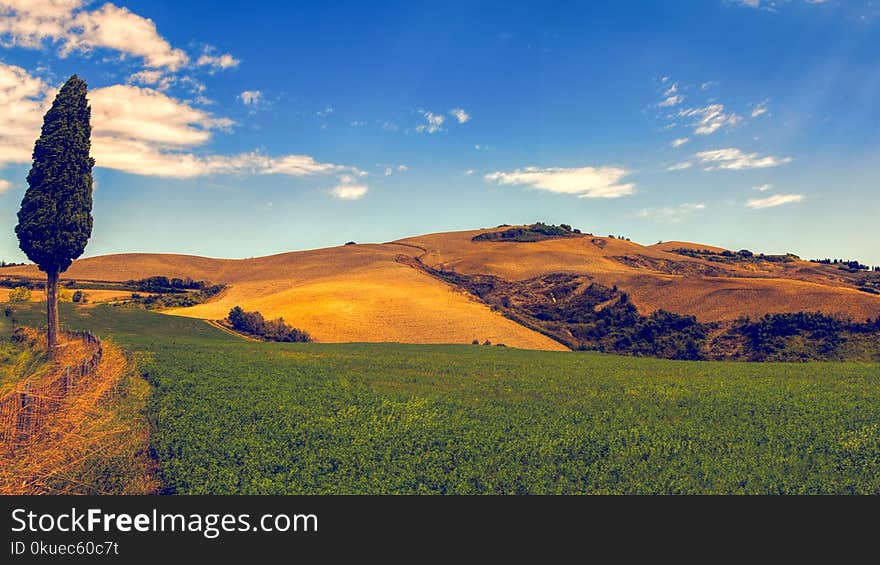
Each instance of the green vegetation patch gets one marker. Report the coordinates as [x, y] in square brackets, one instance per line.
[254, 324]
[16, 361]
[232, 416]
[535, 232]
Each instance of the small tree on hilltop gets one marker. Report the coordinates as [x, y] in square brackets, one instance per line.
[55, 220]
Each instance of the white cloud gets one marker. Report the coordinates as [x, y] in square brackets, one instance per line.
[469, 172]
[27, 23]
[671, 101]
[325, 112]
[154, 78]
[585, 182]
[149, 115]
[224, 61]
[349, 189]
[433, 122]
[391, 169]
[710, 119]
[122, 30]
[680, 166]
[671, 90]
[74, 26]
[707, 85]
[23, 101]
[760, 109]
[4, 185]
[137, 130]
[775, 200]
[357, 124]
[734, 160]
[460, 115]
[770, 5]
[672, 215]
[680, 141]
[250, 97]
[763, 187]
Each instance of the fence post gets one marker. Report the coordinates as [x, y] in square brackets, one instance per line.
[25, 415]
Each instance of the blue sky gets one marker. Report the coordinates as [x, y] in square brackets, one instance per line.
[234, 129]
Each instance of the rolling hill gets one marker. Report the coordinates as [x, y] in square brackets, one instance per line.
[392, 292]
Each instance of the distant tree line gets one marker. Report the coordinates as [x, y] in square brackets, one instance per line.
[168, 292]
[851, 266]
[806, 336]
[253, 323]
[176, 299]
[162, 284]
[538, 231]
[5, 264]
[731, 256]
[22, 283]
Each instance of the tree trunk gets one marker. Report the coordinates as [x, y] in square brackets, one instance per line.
[52, 311]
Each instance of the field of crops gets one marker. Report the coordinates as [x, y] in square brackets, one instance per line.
[233, 416]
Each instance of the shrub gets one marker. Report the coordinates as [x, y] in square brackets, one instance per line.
[177, 297]
[20, 294]
[162, 284]
[80, 297]
[253, 323]
[536, 232]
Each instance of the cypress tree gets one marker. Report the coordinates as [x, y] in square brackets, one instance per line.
[55, 220]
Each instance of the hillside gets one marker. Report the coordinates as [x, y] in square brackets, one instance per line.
[655, 277]
[395, 292]
[355, 293]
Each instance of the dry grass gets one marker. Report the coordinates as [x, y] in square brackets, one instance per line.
[95, 442]
[673, 245]
[384, 302]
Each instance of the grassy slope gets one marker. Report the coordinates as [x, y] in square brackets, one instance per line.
[243, 417]
[16, 362]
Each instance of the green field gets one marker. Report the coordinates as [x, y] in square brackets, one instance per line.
[232, 416]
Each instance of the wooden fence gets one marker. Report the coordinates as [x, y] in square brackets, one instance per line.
[24, 411]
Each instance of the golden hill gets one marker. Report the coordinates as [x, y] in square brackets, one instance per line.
[355, 293]
[657, 278]
[377, 292]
